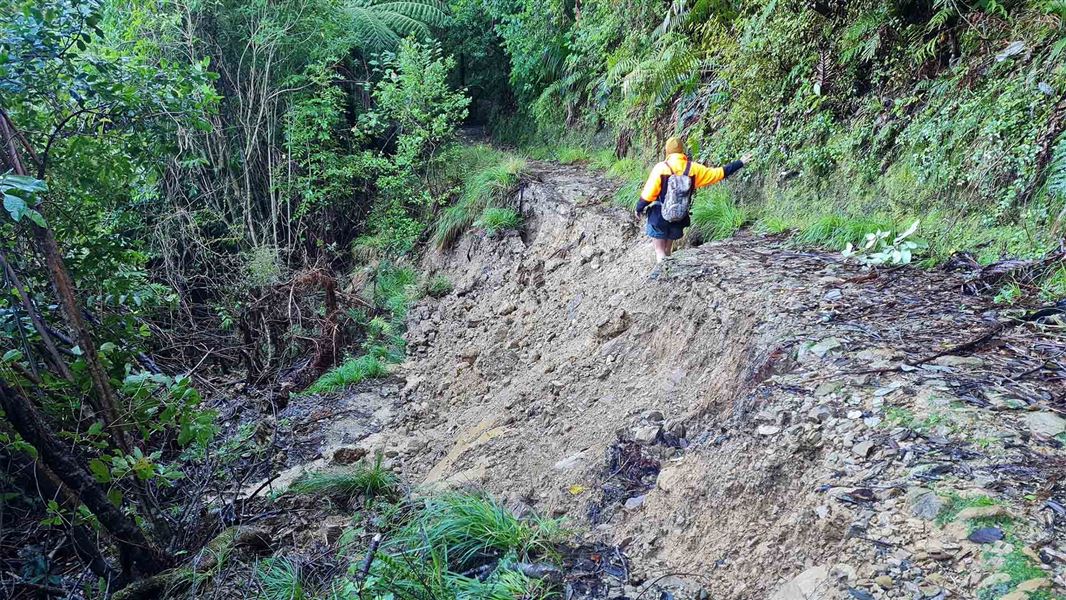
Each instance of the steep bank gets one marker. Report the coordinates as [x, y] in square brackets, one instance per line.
[788, 415]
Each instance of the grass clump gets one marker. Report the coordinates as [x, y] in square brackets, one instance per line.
[489, 186]
[494, 220]
[279, 579]
[372, 481]
[473, 526]
[837, 231]
[569, 155]
[432, 553]
[350, 372]
[437, 286]
[716, 216]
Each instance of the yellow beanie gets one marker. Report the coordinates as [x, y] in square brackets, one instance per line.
[674, 146]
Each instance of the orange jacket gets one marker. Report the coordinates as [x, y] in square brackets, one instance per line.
[702, 176]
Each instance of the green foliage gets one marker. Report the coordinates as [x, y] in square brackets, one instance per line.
[1009, 293]
[473, 526]
[381, 24]
[494, 220]
[349, 373]
[568, 155]
[878, 250]
[414, 95]
[490, 184]
[438, 286]
[839, 231]
[280, 579]
[447, 535]
[363, 481]
[716, 216]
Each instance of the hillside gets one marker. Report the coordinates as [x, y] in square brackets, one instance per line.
[749, 420]
[347, 300]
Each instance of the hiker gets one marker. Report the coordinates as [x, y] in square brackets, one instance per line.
[667, 195]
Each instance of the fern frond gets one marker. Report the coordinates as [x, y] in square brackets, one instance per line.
[378, 26]
[1056, 171]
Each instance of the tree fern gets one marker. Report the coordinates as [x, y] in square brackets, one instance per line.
[379, 25]
[658, 77]
[862, 39]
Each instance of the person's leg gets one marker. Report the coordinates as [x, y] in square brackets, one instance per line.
[661, 247]
[668, 246]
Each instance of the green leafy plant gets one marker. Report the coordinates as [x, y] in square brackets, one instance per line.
[382, 24]
[882, 248]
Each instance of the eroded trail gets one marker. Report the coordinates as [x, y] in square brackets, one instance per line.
[746, 415]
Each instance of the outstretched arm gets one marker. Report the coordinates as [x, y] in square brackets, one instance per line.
[705, 176]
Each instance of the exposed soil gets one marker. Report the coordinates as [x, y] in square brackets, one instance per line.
[745, 421]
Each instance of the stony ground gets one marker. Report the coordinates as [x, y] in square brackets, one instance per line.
[746, 421]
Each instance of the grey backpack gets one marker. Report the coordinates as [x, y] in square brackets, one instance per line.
[677, 194]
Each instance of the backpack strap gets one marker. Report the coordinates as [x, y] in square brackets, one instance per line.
[668, 167]
[688, 166]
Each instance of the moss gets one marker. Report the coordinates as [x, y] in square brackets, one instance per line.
[955, 504]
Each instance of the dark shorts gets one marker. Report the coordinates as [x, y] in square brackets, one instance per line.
[661, 229]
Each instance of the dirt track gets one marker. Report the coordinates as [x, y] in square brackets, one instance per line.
[788, 448]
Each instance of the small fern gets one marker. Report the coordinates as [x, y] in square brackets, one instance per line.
[1056, 171]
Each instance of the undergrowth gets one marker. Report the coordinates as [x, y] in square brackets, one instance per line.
[494, 220]
[491, 180]
[369, 481]
[392, 289]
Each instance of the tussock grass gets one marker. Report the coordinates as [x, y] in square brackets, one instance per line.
[279, 579]
[372, 481]
[836, 231]
[489, 186]
[349, 373]
[437, 286]
[569, 155]
[495, 219]
[448, 535]
[474, 526]
[716, 216]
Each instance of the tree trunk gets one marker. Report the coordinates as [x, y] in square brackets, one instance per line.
[105, 403]
[139, 557]
[35, 318]
[36, 479]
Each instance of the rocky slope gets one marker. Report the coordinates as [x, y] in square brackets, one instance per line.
[745, 421]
